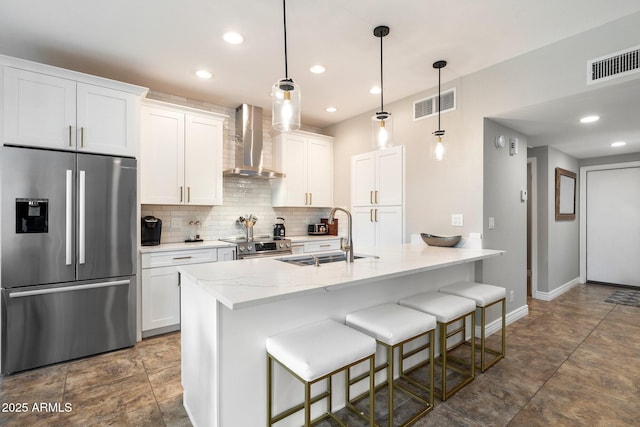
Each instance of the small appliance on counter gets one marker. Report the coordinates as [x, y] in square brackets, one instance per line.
[317, 229]
[278, 229]
[332, 229]
[151, 230]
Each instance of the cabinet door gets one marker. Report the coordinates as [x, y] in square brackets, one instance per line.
[362, 179]
[203, 161]
[389, 225]
[364, 231]
[106, 120]
[226, 254]
[162, 157]
[320, 172]
[294, 156]
[39, 110]
[389, 176]
[160, 298]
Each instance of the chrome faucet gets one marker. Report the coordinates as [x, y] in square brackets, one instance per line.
[347, 247]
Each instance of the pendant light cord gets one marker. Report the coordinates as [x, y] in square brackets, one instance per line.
[286, 65]
[381, 79]
[439, 100]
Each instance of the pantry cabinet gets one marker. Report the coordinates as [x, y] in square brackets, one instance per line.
[160, 285]
[52, 111]
[181, 155]
[377, 197]
[307, 160]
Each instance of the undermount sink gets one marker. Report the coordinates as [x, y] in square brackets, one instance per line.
[321, 259]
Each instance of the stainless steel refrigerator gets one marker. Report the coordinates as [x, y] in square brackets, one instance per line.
[68, 256]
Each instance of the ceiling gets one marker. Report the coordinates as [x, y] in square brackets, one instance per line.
[160, 44]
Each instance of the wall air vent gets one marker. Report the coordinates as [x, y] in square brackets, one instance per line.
[429, 106]
[614, 65]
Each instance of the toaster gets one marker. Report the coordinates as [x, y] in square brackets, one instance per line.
[317, 229]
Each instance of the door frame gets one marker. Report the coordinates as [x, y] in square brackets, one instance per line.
[533, 197]
[583, 208]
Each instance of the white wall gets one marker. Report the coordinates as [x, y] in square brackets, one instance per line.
[434, 191]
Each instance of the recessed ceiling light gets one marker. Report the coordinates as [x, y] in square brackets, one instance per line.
[589, 119]
[331, 109]
[375, 90]
[618, 144]
[204, 74]
[233, 38]
[317, 69]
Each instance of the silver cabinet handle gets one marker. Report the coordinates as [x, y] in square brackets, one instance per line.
[20, 294]
[82, 217]
[180, 194]
[82, 136]
[70, 136]
[68, 216]
[182, 257]
[325, 246]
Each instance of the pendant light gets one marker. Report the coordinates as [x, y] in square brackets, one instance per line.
[285, 94]
[382, 126]
[439, 148]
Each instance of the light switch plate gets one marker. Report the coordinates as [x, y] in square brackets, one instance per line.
[492, 223]
[457, 220]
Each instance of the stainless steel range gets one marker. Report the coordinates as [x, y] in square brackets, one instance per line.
[260, 247]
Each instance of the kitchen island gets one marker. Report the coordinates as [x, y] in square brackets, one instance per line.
[229, 309]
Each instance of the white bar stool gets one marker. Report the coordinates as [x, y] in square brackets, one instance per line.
[448, 309]
[484, 296]
[316, 352]
[393, 326]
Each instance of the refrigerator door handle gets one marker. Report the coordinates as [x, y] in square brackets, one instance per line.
[82, 218]
[69, 217]
[20, 294]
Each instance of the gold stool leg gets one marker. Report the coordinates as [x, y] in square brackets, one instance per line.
[269, 389]
[390, 381]
[443, 354]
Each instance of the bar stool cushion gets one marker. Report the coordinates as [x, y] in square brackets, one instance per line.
[481, 293]
[316, 350]
[443, 306]
[391, 323]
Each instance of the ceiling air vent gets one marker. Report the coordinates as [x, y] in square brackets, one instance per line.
[429, 106]
[614, 65]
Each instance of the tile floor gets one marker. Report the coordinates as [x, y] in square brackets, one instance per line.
[571, 362]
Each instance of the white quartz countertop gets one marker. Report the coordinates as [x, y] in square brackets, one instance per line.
[250, 282]
[164, 247]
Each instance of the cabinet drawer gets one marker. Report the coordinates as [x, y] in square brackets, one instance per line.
[181, 257]
[324, 245]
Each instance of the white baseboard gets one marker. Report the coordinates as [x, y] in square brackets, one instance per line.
[549, 296]
[511, 317]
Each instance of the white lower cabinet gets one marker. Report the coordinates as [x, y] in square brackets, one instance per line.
[161, 285]
[321, 245]
[375, 226]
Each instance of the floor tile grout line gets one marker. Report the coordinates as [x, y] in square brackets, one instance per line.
[155, 397]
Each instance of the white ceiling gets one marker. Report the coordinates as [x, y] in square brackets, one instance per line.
[161, 43]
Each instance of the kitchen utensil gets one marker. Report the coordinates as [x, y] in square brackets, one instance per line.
[248, 223]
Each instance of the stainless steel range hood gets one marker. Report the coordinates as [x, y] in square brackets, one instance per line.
[249, 145]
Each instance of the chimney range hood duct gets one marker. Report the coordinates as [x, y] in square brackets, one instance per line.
[249, 145]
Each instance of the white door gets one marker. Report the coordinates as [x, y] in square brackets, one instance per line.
[613, 226]
[319, 172]
[39, 110]
[203, 161]
[162, 157]
[389, 225]
[106, 121]
[364, 227]
[160, 297]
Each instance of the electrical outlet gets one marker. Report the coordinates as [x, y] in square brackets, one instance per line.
[176, 222]
[492, 223]
[457, 220]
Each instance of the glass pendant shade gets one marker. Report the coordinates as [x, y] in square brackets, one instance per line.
[438, 147]
[286, 97]
[382, 130]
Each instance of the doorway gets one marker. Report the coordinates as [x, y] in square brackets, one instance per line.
[532, 227]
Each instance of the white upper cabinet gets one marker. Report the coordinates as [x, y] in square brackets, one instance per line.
[181, 155]
[377, 177]
[51, 111]
[307, 161]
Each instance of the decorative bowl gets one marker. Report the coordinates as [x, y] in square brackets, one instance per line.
[432, 240]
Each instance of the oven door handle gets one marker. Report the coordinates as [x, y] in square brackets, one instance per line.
[21, 294]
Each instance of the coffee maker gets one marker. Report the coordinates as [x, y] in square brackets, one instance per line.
[151, 230]
[278, 229]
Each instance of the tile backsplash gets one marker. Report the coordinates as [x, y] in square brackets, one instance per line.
[241, 196]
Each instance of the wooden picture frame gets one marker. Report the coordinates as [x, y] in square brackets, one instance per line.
[565, 195]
